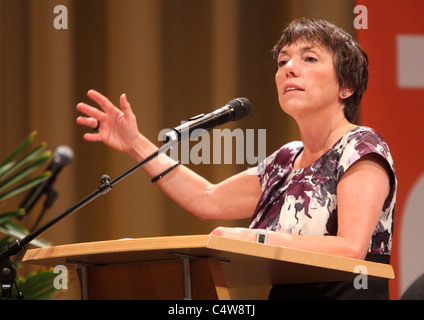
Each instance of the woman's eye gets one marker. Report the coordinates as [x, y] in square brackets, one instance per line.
[282, 63]
[311, 59]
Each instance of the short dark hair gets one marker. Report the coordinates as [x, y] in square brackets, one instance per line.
[350, 61]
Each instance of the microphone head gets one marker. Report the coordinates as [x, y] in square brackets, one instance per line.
[63, 155]
[241, 107]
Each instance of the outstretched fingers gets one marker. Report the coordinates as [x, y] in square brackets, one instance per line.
[90, 111]
[101, 100]
[126, 107]
[94, 115]
[88, 122]
[118, 126]
[92, 137]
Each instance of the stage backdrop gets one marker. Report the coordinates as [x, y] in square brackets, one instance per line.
[394, 105]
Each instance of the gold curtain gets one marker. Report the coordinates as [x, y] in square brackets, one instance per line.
[173, 58]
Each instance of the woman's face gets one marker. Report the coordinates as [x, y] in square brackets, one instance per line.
[306, 80]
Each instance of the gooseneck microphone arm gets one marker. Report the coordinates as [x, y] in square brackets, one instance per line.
[8, 270]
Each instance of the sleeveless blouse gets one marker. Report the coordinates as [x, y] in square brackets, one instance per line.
[304, 201]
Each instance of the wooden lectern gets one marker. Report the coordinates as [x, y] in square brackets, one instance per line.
[194, 267]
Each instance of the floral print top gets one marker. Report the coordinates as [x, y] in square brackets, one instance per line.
[304, 201]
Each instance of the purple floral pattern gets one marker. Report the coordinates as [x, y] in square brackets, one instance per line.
[304, 201]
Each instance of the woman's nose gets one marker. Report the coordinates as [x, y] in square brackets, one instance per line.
[291, 68]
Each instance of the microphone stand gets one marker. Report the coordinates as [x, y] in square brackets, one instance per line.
[51, 196]
[7, 268]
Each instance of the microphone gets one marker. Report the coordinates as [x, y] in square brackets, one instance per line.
[61, 157]
[234, 110]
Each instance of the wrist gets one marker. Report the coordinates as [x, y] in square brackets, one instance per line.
[140, 149]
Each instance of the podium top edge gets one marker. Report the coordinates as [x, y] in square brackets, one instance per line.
[119, 245]
[156, 248]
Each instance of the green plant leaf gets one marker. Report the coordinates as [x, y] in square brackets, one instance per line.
[14, 179]
[25, 172]
[5, 167]
[12, 229]
[4, 242]
[37, 285]
[25, 143]
[7, 216]
[33, 155]
[24, 186]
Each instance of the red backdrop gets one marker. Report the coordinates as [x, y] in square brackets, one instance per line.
[396, 111]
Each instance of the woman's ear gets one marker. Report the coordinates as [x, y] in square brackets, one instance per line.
[345, 93]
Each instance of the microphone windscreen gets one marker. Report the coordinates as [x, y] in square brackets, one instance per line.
[63, 154]
[241, 106]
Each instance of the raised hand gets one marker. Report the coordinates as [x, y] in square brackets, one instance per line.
[118, 127]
